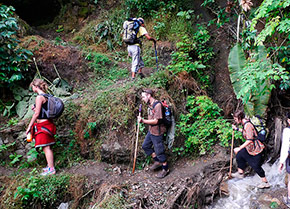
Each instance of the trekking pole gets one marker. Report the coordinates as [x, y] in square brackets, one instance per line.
[231, 161]
[136, 145]
[156, 56]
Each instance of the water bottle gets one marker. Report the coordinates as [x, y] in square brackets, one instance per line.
[167, 113]
[29, 137]
[263, 132]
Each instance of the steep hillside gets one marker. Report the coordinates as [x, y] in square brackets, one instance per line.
[77, 47]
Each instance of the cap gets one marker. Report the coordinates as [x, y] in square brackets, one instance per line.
[148, 91]
[140, 19]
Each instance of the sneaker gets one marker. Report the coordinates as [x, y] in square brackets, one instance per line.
[162, 174]
[237, 175]
[286, 201]
[45, 169]
[155, 165]
[49, 171]
[264, 185]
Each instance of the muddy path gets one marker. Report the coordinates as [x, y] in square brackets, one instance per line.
[187, 181]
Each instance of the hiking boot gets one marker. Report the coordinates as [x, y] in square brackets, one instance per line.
[162, 174]
[237, 175]
[264, 185]
[141, 75]
[155, 165]
[49, 171]
[286, 201]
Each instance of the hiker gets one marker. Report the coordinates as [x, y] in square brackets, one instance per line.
[284, 157]
[134, 50]
[42, 128]
[250, 151]
[155, 134]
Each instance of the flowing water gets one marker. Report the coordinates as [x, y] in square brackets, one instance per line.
[241, 191]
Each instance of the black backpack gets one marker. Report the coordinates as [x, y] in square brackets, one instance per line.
[130, 30]
[55, 107]
[166, 113]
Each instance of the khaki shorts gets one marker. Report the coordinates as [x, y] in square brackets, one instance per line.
[137, 62]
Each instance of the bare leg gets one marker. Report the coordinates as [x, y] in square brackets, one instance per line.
[240, 171]
[264, 179]
[49, 156]
[133, 74]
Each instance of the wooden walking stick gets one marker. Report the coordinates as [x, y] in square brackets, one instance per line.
[136, 145]
[231, 161]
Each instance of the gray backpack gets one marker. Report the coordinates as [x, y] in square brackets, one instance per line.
[130, 30]
[55, 107]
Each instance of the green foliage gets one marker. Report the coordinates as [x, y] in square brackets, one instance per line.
[276, 18]
[106, 70]
[219, 11]
[4, 147]
[12, 122]
[110, 30]
[183, 60]
[15, 158]
[144, 8]
[13, 60]
[168, 23]
[67, 151]
[203, 126]
[252, 78]
[47, 190]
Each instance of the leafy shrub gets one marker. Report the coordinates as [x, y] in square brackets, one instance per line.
[47, 191]
[203, 126]
[192, 56]
[111, 29]
[143, 8]
[13, 59]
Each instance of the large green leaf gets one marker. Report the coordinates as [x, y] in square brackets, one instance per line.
[258, 97]
[262, 94]
[236, 63]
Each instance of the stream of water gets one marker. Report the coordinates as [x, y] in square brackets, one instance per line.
[241, 191]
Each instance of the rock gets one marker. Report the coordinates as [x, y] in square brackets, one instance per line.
[224, 188]
[20, 152]
[21, 108]
[117, 146]
[115, 153]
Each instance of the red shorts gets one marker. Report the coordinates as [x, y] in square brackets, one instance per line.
[43, 133]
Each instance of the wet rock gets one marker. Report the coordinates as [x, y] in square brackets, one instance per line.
[63, 206]
[224, 189]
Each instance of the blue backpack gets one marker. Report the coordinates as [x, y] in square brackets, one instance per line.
[55, 107]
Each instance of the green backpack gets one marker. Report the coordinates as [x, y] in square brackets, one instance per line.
[130, 30]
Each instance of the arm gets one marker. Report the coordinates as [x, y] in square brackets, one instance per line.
[150, 38]
[157, 116]
[284, 147]
[248, 134]
[38, 102]
[149, 122]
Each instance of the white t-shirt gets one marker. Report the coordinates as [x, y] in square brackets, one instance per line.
[285, 145]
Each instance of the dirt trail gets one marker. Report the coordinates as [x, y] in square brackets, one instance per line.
[143, 189]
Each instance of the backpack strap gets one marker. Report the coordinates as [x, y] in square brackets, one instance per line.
[153, 106]
[43, 111]
[255, 139]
